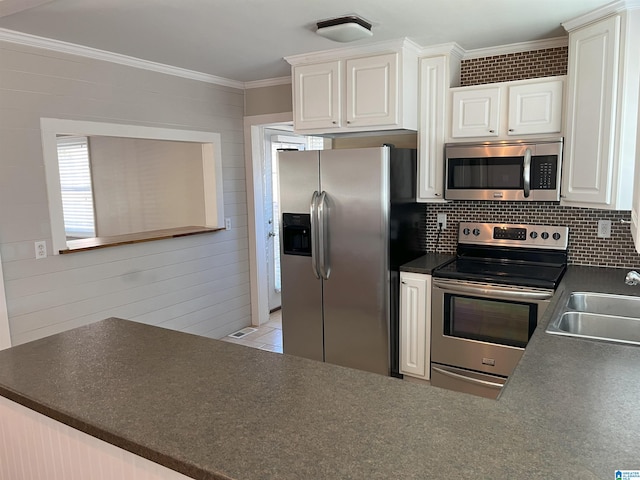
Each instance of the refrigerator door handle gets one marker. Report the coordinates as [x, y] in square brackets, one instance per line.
[313, 210]
[323, 255]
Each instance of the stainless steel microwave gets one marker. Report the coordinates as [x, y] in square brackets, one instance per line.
[513, 170]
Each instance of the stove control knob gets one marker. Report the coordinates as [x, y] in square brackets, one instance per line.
[544, 235]
[466, 231]
[556, 236]
[476, 231]
[533, 235]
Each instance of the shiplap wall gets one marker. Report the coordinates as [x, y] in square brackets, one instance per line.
[35, 447]
[197, 284]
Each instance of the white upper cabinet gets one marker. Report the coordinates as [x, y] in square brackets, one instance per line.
[437, 73]
[508, 109]
[535, 108]
[476, 112]
[372, 91]
[602, 111]
[317, 95]
[342, 91]
[635, 206]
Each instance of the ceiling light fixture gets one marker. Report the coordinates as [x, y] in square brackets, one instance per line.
[344, 29]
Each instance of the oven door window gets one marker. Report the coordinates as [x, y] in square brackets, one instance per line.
[496, 173]
[494, 321]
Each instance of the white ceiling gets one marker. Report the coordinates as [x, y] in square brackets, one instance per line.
[246, 40]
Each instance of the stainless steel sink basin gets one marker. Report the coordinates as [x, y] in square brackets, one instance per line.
[619, 305]
[599, 327]
[599, 316]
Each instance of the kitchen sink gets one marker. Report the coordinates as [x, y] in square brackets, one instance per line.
[599, 316]
[618, 305]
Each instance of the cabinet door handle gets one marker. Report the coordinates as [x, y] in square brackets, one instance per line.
[334, 122]
[511, 130]
[491, 131]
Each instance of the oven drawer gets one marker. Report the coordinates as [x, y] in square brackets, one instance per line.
[466, 381]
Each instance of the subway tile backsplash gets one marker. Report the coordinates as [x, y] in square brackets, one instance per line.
[585, 248]
[546, 62]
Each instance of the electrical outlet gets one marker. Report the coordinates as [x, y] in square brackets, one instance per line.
[227, 223]
[41, 249]
[604, 228]
[442, 220]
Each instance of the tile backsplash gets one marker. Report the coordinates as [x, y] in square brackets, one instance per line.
[546, 62]
[585, 248]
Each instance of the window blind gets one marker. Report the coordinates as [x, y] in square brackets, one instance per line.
[75, 185]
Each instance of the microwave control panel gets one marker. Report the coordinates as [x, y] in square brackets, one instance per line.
[544, 172]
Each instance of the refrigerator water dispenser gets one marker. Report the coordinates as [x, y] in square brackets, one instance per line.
[296, 231]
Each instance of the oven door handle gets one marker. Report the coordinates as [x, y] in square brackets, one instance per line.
[464, 378]
[493, 290]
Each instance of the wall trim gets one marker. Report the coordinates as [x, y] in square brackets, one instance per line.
[253, 153]
[29, 40]
[269, 82]
[51, 127]
[599, 13]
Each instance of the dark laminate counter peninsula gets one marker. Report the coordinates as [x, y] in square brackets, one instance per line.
[211, 409]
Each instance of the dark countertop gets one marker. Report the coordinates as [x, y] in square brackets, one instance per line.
[426, 263]
[216, 410]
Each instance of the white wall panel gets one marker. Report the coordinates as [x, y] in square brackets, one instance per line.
[198, 282]
[35, 447]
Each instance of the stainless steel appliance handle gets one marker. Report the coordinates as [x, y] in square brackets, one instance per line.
[313, 210]
[495, 291]
[526, 174]
[323, 255]
[477, 381]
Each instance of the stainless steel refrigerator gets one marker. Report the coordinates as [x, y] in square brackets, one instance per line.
[349, 220]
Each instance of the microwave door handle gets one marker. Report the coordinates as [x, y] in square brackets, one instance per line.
[464, 378]
[323, 255]
[313, 210]
[526, 173]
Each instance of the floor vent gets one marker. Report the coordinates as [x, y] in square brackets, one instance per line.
[242, 333]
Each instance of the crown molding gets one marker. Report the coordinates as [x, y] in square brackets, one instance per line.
[345, 52]
[604, 11]
[93, 53]
[269, 82]
[516, 48]
[451, 48]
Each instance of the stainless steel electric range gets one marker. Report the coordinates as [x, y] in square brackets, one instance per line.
[487, 302]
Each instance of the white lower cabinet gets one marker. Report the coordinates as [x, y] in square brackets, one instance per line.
[415, 324]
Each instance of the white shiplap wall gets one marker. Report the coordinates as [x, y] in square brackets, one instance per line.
[197, 284]
[35, 447]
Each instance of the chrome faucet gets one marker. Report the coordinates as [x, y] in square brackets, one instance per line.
[632, 278]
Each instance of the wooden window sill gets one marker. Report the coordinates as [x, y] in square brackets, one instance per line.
[84, 244]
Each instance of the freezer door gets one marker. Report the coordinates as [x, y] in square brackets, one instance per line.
[302, 332]
[356, 307]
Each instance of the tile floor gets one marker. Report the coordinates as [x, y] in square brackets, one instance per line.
[266, 337]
